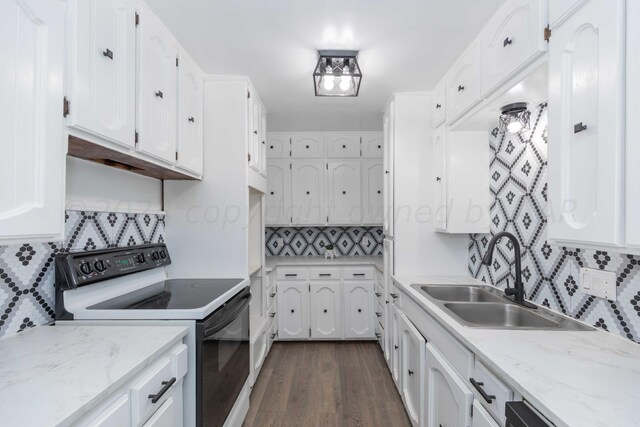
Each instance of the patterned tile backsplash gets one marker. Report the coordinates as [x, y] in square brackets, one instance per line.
[551, 273]
[310, 241]
[27, 270]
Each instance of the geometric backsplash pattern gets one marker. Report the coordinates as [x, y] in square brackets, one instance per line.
[551, 274]
[310, 241]
[27, 270]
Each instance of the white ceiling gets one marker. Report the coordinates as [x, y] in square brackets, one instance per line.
[405, 45]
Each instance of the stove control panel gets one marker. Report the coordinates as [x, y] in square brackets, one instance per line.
[82, 268]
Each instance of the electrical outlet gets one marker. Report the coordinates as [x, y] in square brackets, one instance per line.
[280, 242]
[598, 283]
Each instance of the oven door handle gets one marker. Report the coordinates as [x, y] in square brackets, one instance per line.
[226, 319]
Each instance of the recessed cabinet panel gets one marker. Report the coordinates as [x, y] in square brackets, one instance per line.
[278, 146]
[437, 109]
[190, 111]
[102, 68]
[511, 39]
[463, 83]
[412, 346]
[33, 144]
[372, 191]
[278, 203]
[308, 192]
[293, 310]
[343, 146]
[358, 299]
[326, 311]
[157, 82]
[560, 10]
[307, 146]
[343, 181]
[586, 114]
[372, 145]
[439, 208]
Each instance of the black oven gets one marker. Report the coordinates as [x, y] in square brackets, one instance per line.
[222, 359]
[519, 414]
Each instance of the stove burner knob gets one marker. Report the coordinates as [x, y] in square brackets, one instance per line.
[163, 254]
[85, 269]
[100, 266]
[141, 259]
[155, 255]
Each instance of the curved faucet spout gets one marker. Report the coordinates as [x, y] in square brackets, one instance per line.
[518, 289]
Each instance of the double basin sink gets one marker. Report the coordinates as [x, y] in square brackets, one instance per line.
[486, 307]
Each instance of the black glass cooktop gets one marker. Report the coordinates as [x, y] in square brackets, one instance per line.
[173, 294]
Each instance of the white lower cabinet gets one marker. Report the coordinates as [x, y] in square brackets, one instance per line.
[448, 399]
[395, 346]
[412, 350]
[293, 310]
[325, 310]
[358, 298]
[165, 416]
[481, 418]
[117, 414]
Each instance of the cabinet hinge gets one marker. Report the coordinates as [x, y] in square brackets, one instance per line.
[471, 411]
[547, 34]
[136, 137]
[291, 220]
[65, 107]
[176, 156]
[290, 166]
[248, 94]
[327, 166]
[249, 157]
[176, 61]
[327, 218]
[137, 19]
[309, 287]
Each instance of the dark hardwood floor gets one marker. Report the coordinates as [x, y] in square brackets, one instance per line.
[325, 384]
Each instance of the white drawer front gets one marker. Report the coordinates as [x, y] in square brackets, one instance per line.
[492, 386]
[150, 382]
[324, 273]
[179, 360]
[358, 273]
[379, 313]
[292, 274]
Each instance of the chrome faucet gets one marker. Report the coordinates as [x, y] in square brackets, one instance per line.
[515, 294]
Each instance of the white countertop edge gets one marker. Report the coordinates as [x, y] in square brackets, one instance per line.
[272, 262]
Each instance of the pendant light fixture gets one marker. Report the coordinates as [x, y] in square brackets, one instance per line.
[514, 118]
[337, 73]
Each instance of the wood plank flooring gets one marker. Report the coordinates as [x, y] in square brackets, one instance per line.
[325, 384]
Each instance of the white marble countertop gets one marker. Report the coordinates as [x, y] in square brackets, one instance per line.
[52, 375]
[273, 261]
[575, 378]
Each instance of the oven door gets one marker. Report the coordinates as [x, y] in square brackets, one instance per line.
[222, 358]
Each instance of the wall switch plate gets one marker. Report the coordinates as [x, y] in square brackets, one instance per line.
[598, 283]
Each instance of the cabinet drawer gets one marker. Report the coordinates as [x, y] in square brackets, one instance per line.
[379, 313]
[179, 360]
[358, 273]
[492, 386]
[307, 146]
[292, 274]
[380, 335]
[324, 273]
[343, 146]
[151, 382]
[379, 293]
[115, 415]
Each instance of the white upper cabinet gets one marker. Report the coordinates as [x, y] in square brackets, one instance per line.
[157, 83]
[372, 186]
[372, 145]
[101, 71]
[358, 309]
[559, 10]
[412, 349]
[343, 146]
[633, 125]
[278, 198]
[190, 111]
[463, 83]
[307, 146]
[389, 142]
[256, 137]
[278, 146]
[438, 104]
[586, 122]
[308, 192]
[511, 39]
[326, 310]
[343, 182]
[439, 206]
[33, 143]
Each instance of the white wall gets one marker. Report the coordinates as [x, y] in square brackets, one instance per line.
[95, 187]
[419, 250]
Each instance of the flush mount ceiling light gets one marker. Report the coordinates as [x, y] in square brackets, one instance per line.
[514, 118]
[337, 73]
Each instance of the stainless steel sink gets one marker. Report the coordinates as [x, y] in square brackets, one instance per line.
[460, 293]
[486, 307]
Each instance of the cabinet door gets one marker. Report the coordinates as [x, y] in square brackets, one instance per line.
[102, 68]
[633, 125]
[481, 417]
[190, 111]
[358, 309]
[395, 340]
[293, 310]
[308, 192]
[389, 143]
[560, 10]
[437, 109]
[157, 82]
[278, 205]
[586, 116]
[254, 133]
[463, 83]
[325, 311]
[33, 144]
[278, 146]
[372, 145]
[307, 146]
[372, 187]
[165, 416]
[439, 208]
[447, 397]
[116, 415]
[343, 146]
[511, 40]
[343, 180]
[263, 140]
[412, 350]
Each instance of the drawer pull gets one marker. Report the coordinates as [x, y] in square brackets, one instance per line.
[108, 54]
[394, 296]
[507, 42]
[378, 294]
[478, 386]
[358, 274]
[324, 274]
[159, 94]
[272, 295]
[460, 88]
[292, 310]
[378, 314]
[273, 336]
[291, 275]
[255, 132]
[166, 385]
[272, 315]
[410, 372]
[378, 335]
[579, 127]
[395, 347]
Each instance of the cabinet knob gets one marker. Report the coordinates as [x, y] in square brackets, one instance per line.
[359, 310]
[344, 146]
[325, 310]
[307, 192]
[460, 88]
[108, 54]
[395, 347]
[272, 193]
[159, 94]
[192, 120]
[579, 127]
[379, 192]
[293, 311]
[271, 147]
[307, 147]
[438, 179]
[386, 172]
[255, 132]
[507, 42]
[378, 294]
[410, 372]
[438, 105]
[344, 192]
